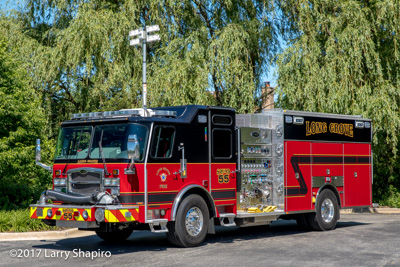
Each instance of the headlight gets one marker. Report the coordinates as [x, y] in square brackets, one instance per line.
[99, 215]
[85, 214]
[111, 182]
[115, 182]
[49, 213]
[60, 182]
[107, 182]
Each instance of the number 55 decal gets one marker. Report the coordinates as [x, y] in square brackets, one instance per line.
[223, 175]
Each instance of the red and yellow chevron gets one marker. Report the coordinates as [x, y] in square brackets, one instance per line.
[75, 214]
[66, 214]
[121, 215]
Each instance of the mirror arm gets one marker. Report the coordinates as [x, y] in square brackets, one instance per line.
[44, 166]
[130, 169]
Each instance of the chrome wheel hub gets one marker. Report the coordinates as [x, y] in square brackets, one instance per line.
[194, 221]
[327, 210]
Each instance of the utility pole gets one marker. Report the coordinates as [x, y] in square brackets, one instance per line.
[143, 38]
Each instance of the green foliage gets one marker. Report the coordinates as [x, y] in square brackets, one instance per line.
[215, 56]
[22, 122]
[344, 58]
[19, 221]
[392, 198]
[79, 58]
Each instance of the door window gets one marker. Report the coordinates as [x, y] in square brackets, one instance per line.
[222, 143]
[163, 141]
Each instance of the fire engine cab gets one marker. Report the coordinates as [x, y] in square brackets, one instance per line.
[182, 170]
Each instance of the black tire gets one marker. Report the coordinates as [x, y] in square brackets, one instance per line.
[115, 235]
[171, 235]
[302, 223]
[183, 234]
[327, 212]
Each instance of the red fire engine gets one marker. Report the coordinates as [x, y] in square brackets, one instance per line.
[183, 170]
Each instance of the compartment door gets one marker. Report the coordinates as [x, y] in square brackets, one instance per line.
[297, 176]
[357, 175]
[327, 166]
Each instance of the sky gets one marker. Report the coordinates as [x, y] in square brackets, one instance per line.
[7, 4]
[267, 77]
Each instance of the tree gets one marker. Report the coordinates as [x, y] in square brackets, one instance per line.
[21, 123]
[78, 54]
[343, 57]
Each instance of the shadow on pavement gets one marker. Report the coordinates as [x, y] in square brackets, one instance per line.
[141, 241]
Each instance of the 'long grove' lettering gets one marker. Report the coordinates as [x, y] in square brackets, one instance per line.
[316, 127]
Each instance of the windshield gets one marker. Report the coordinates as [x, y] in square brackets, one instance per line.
[73, 142]
[113, 140]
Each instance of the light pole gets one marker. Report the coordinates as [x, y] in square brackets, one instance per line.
[143, 38]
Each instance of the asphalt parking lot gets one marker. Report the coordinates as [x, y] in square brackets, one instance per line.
[358, 240]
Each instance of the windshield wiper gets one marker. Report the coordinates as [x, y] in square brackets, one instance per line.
[101, 153]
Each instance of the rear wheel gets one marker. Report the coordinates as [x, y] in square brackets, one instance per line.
[191, 223]
[115, 235]
[327, 212]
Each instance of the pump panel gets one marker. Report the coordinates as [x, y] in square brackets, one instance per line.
[261, 161]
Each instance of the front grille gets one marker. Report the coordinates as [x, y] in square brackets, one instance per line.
[85, 180]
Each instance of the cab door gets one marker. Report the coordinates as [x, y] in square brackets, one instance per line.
[222, 156]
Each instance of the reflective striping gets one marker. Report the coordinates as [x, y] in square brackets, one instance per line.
[109, 216]
[115, 215]
[33, 214]
[119, 215]
[129, 219]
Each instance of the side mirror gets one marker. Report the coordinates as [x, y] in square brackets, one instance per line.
[133, 147]
[133, 152]
[38, 156]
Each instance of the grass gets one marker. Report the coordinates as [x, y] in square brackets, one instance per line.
[19, 221]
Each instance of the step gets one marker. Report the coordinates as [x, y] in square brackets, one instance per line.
[158, 222]
[231, 219]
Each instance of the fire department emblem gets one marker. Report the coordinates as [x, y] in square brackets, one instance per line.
[163, 173]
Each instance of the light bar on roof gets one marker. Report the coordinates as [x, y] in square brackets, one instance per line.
[123, 112]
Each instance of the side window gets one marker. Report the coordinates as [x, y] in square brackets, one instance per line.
[163, 141]
[222, 120]
[222, 143]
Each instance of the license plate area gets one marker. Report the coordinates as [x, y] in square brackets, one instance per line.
[67, 214]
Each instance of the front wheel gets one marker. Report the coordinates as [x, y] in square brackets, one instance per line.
[191, 224]
[327, 212]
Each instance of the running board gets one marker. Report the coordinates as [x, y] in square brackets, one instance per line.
[244, 214]
[160, 223]
[227, 216]
[244, 219]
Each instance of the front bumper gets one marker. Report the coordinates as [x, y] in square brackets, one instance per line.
[73, 213]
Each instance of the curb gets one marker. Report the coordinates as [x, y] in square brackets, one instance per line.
[371, 210]
[70, 233]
